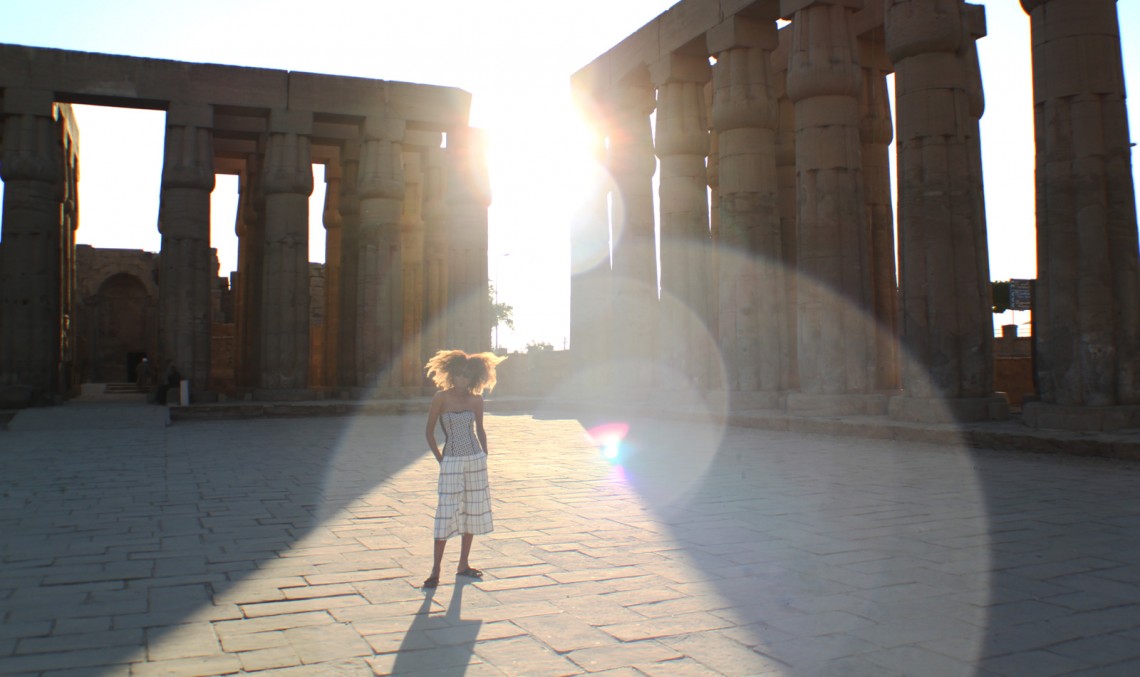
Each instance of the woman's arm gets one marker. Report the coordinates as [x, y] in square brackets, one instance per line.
[429, 432]
[479, 431]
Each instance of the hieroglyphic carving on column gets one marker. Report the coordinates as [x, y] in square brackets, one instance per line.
[590, 293]
[379, 299]
[333, 222]
[753, 311]
[348, 375]
[32, 169]
[1087, 306]
[412, 272]
[836, 353]
[185, 261]
[468, 196]
[634, 264]
[947, 326]
[288, 182]
[876, 133]
[682, 144]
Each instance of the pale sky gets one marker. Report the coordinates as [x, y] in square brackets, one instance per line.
[516, 58]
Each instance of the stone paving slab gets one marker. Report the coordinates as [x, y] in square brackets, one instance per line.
[296, 546]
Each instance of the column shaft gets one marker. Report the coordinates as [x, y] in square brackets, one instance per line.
[836, 353]
[1087, 305]
[348, 375]
[590, 292]
[185, 270]
[32, 169]
[412, 284]
[682, 144]
[288, 183]
[947, 325]
[634, 265]
[332, 222]
[435, 256]
[379, 298]
[753, 310]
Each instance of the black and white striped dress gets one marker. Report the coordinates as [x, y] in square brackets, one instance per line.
[464, 494]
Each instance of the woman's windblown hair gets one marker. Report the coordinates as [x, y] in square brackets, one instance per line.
[479, 369]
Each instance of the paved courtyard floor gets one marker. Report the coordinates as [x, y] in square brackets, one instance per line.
[298, 546]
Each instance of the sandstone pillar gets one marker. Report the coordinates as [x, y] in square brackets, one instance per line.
[682, 144]
[32, 170]
[348, 374]
[288, 183]
[753, 311]
[412, 272]
[947, 324]
[468, 196]
[1087, 305]
[836, 352]
[185, 262]
[332, 221]
[876, 133]
[379, 302]
[590, 293]
[786, 199]
[250, 230]
[634, 265]
[435, 256]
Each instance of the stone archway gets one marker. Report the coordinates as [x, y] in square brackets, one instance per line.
[122, 321]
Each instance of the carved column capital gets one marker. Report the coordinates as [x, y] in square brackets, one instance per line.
[288, 157]
[32, 145]
[188, 152]
[916, 27]
[331, 216]
[823, 59]
[468, 179]
[682, 123]
[631, 141]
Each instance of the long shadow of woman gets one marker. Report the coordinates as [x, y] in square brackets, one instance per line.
[438, 644]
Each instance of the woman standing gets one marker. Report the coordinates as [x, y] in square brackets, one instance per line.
[464, 496]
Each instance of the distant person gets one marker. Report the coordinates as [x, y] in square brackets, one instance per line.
[464, 494]
[144, 373]
[172, 379]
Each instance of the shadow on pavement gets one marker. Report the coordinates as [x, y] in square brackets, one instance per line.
[114, 537]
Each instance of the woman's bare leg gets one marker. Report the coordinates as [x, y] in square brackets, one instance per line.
[464, 551]
[438, 558]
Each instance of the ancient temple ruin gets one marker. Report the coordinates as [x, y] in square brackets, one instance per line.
[779, 110]
[405, 219]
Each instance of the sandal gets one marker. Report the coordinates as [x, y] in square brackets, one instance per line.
[431, 582]
[470, 572]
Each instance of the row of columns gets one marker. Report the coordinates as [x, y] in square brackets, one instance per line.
[800, 290]
[406, 258]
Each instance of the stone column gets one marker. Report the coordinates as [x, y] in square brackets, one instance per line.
[32, 169]
[379, 302]
[185, 262]
[753, 311]
[288, 183]
[634, 264]
[250, 228]
[836, 352]
[412, 272]
[1086, 312]
[590, 290]
[682, 144]
[348, 374]
[947, 324]
[468, 196]
[786, 199]
[876, 133]
[435, 256]
[332, 220]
